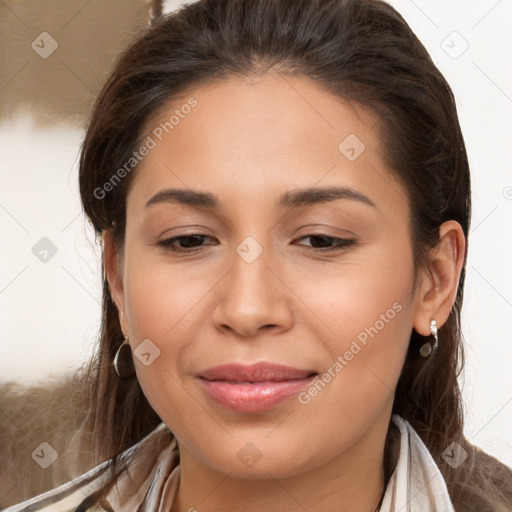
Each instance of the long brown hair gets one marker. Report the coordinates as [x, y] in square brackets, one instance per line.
[362, 51]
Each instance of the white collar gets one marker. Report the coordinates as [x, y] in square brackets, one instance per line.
[416, 484]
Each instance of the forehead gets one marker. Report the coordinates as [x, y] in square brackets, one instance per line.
[247, 134]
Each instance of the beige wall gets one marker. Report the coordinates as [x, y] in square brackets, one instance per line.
[62, 86]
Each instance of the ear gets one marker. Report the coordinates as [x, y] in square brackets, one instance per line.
[112, 263]
[437, 288]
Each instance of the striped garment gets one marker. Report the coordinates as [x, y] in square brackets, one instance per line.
[416, 484]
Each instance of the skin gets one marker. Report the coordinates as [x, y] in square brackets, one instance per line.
[248, 141]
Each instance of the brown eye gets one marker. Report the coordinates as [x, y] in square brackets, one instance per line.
[184, 243]
[326, 243]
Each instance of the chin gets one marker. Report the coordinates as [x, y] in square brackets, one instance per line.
[250, 460]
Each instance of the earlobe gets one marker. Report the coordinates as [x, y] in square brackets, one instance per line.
[438, 289]
[113, 273]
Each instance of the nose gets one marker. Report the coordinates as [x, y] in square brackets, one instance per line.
[253, 298]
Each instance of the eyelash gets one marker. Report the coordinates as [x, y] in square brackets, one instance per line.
[340, 243]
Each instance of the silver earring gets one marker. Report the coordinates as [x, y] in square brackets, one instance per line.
[427, 348]
[123, 361]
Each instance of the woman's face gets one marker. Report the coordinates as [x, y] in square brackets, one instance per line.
[262, 272]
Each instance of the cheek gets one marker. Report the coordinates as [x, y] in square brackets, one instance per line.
[160, 298]
[366, 343]
[366, 355]
[366, 311]
[159, 311]
[368, 296]
[164, 305]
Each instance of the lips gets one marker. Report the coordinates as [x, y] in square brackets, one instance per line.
[253, 388]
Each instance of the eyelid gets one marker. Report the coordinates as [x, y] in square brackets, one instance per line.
[340, 243]
[166, 242]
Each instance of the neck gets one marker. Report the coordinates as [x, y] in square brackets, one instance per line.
[353, 481]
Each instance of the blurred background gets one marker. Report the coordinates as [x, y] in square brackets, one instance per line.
[54, 57]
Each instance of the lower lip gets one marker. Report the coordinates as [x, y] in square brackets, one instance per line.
[255, 396]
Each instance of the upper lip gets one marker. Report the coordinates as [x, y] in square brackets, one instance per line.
[258, 372]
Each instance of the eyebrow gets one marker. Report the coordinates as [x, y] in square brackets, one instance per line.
[291, 199]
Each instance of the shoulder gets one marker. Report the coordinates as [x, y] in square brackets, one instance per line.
[67, 497]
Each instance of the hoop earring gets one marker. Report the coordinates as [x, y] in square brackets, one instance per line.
[427, 348]
[123, 361]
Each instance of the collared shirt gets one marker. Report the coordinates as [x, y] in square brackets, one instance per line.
[416, 484]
